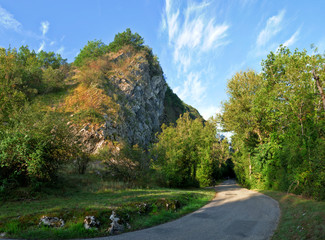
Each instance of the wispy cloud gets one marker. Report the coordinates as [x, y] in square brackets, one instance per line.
[8, 21]
[292, 39]
[42, 46]
[215, 35]
[273, 26]
[45, 25]
[193, 35]
[192, 87]
[60, 50]
[193, 32]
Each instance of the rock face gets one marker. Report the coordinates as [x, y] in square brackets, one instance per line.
[133, 99]
[142, 99]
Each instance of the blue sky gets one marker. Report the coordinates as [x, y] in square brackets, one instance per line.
[200, 44]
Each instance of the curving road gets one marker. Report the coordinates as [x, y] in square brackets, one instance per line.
[235, 213]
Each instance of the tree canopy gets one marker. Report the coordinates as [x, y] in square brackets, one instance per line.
[278, 120]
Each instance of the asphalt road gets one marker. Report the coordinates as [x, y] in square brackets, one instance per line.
[235, 213]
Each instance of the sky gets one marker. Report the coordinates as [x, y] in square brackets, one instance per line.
[200, 44]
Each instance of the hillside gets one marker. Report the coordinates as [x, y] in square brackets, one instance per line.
[122, 96]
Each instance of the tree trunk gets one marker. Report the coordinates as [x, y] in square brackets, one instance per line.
[250, 167]
[320, 88]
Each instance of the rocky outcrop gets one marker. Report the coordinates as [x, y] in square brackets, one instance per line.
[116, 226]
[137, 88]
[90, 222]
[141, 100]
[51, 222]
[136, 101]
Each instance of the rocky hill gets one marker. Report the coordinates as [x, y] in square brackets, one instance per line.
[122, 96]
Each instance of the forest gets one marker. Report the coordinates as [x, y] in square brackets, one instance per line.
[278, 120]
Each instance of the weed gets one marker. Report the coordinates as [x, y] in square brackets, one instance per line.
[301, 218]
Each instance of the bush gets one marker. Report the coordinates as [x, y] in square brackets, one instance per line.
[188, 154]
[91, 51]
[33, 146]
[126, 163]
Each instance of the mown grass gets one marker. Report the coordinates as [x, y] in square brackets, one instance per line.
[301, 218]
[77, 196]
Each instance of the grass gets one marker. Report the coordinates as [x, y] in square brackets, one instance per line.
[301, 218]
[80, 195]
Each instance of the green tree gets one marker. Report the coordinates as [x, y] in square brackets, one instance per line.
[183, 154]
[50, 59]
[278, 120]
[91, 51]
[126, 38]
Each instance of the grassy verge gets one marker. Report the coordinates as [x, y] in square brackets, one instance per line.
[301, 218]
[86, 195]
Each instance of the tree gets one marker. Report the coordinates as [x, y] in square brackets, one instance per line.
[278, 120]
[126, 38]
[91, 51]
[50, 59]
[183, 154]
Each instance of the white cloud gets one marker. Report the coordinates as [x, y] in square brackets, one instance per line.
[8, 21]
[209, 111]
[192, 33]
[192, 88]
[193, 36]
[214, 35]
[45, 27]
[273, 26]
[41, 47]
[292, 39]
[60, 50]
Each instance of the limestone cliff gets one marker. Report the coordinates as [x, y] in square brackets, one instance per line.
[122, 96]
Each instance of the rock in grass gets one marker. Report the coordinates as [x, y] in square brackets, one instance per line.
[143, 208]
[116, 227]
[91, 222]
[51, 222]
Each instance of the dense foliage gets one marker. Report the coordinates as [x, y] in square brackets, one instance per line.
[97, 48]
[33, 141]
[278, 120]
[91, 51]
[25, 74]
[189, 154]
[32, 148]
[126, 38]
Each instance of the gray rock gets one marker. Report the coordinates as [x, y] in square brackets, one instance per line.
[90, 222]
[51, 222]
[141, 100]
[116, 227]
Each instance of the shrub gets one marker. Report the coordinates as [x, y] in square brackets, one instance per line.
[126, 163]
[33, 146]
[187, 154]
[91, 51]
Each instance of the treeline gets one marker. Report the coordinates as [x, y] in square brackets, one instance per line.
[278, 120]
[34, 141]
[185, 154]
